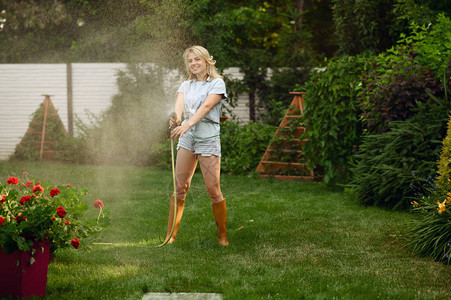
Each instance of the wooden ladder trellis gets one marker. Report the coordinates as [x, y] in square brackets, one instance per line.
[40, 137]
[284, 159]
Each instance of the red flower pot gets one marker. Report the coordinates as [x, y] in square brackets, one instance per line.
[19, 278]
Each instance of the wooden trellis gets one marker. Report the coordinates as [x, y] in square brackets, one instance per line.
[284, 159]
[44, 133]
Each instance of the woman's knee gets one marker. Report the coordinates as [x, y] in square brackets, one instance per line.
[215, 193]
[182, 190]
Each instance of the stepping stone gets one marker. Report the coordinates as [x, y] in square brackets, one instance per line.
[182, 296]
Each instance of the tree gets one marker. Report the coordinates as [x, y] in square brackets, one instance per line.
[86, 30]
[255, 36]
[363, 25]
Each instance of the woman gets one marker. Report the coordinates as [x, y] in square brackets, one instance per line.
[199, 99]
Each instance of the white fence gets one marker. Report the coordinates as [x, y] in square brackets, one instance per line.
[93, 86]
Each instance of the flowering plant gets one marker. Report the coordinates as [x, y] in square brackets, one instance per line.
[31, 211]
[430, 231]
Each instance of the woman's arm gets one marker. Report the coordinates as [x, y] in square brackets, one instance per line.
[205, 108]
[179, 105]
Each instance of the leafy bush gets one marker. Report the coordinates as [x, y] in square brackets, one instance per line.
[404, 75]
[410, 11]
[444, 165]
[243, 146]
[432, 44]
[332, 116]
[392, 96]
[430, 231]
[390, 163]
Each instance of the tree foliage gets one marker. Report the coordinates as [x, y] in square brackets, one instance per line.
[363, 25]
[85, 31]
[253, 35]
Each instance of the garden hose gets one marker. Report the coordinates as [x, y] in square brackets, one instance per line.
[175, 198]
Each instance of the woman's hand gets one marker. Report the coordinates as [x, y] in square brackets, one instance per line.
[178, 131]
[173, 122]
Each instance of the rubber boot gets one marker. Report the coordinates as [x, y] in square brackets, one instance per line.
[220, 213]
[180, 207]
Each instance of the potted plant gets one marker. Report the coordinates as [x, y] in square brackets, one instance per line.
[36, 219]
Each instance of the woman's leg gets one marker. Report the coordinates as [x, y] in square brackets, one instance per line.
[184, 169]
[185, 166]
[211, 171]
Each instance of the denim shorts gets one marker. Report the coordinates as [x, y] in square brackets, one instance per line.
[206, 147]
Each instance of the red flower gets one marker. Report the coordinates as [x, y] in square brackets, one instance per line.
[69, 185]
[75, 243]
[38, 189]
[66, 222]
[12, 180]
[24, 173]
[2, 220]
[53, 219]
[29, 184]
[24, 199]
[61, 212]
[3, 199]
[54, 192]
[19, 218]
[98, 204]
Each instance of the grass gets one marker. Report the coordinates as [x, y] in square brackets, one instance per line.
[298, 240]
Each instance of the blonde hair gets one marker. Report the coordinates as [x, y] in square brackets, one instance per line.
[202, 53]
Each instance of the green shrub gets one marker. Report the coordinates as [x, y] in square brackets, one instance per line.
[391, 163]
[392, 96]
[332, 116]
[406, 73]
[444, 165]
[432, 43]
[430, 232]
[243, 146]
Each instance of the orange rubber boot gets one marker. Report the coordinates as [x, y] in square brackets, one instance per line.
[180, 207]
[220, 213]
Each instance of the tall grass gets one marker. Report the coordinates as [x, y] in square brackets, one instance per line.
[288, 240]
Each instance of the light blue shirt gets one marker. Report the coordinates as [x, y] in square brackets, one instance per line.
[194, 93]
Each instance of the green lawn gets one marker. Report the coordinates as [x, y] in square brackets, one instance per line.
[298, 240]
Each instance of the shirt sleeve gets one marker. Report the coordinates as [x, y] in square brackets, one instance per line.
[182, 88]
[218, 88]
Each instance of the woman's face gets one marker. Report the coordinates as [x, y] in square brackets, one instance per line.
[197, 66]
